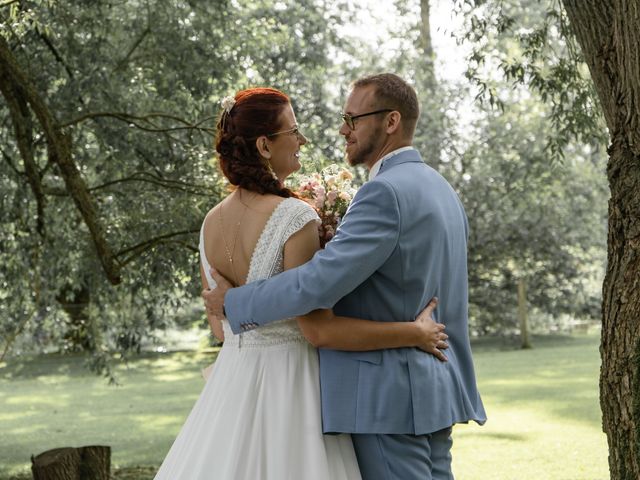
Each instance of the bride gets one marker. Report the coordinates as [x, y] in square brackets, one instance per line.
[270, 374]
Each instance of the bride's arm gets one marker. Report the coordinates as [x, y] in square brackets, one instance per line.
[214, 323]
[324, 329]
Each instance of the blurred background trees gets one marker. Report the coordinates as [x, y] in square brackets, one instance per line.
[133, 90]
[107, 167]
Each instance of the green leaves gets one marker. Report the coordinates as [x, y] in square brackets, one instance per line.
[135, 86]
[533, 48]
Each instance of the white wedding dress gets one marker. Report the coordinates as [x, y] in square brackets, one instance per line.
[258, 416]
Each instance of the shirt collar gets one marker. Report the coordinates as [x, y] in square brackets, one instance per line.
[376, 166]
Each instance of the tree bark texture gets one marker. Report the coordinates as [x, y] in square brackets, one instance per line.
[84, 463]
[609, 34]
[20, 92]
[23, 125]
[96, 463]
[57, 464]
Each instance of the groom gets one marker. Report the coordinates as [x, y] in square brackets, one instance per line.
[402, 242]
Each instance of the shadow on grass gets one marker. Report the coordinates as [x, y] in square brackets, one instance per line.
[557, 379]
[512, 343]
[558, 376]
[75, 364]
[50, 401]
[509, 437]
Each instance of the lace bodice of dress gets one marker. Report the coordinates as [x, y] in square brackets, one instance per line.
[266, 261]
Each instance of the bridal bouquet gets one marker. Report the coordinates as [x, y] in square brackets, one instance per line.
[329, 192]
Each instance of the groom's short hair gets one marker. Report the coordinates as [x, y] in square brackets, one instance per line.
[394, 93]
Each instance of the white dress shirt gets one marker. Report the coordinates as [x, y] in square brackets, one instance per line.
[376, 166]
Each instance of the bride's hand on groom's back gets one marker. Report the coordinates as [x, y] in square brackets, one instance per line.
[432, 338]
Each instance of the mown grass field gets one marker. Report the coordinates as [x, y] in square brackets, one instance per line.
[544, 416]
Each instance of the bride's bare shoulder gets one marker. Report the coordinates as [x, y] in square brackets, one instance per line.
[209, 215]
[258, 203]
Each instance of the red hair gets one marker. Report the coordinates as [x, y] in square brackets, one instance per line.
[255, 113]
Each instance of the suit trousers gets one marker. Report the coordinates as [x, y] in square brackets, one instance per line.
[404, 457]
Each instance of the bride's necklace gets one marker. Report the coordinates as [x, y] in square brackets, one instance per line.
[231, 251]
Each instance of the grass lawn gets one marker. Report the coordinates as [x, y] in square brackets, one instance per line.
[544, 417]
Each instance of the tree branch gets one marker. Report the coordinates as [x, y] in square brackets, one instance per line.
[13, 335]
[139, 249]
[55, 52]
[9, 160]
[137, 121]
[59, 151]
[135, 45]
[170, 184]
[144, 177]
[23, 126]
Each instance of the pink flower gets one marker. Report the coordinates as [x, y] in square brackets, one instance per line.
[319, 191]
[329, 192]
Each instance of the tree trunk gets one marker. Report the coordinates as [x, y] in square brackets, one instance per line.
[84, 463]
[23, 125]
[20, 92]
[75, 303]
[610, 39]
[425, 42]
[620, 348]
[523, 319]
[430, 124]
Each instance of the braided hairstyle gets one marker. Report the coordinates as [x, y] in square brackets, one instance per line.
[255, 113]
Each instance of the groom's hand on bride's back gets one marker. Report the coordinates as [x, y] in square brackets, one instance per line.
[214, 298]
[432, 338]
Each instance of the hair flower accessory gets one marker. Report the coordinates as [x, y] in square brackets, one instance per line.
[227, 103]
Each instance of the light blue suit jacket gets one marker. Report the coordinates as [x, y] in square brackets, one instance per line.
[402, 242]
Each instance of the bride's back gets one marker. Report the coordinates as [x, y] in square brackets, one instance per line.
[232, 230]
[254, 233]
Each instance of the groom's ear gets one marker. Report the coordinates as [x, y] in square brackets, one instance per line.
[394, 122]
[262, 144]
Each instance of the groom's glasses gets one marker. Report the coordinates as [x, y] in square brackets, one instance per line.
[350, 120]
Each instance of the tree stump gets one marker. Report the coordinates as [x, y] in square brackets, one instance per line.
[95, 462]
[84, 463]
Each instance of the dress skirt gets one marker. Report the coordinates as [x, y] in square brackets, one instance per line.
[259, 417]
